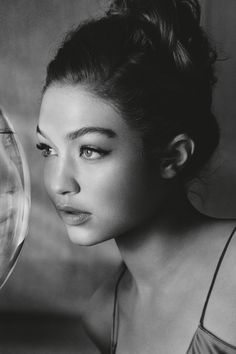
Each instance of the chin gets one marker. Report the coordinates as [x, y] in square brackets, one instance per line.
[82, 237]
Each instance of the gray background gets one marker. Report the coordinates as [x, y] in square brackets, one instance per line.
[42, 300]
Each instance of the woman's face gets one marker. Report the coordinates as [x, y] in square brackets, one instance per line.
[95, 172]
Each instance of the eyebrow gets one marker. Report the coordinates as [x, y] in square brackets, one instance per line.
[83, 131]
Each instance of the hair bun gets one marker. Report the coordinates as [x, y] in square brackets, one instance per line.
[161, 13]
[177, 22]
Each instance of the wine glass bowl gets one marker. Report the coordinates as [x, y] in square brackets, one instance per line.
[14, 197]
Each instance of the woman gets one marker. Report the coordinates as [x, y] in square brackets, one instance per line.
[125, 123]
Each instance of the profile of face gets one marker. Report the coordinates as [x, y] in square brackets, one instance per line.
[95, 172]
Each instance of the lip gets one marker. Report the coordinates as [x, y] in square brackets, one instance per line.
[72, 216]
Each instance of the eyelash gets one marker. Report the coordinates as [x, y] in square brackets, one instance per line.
[45, 149]
[99, 151]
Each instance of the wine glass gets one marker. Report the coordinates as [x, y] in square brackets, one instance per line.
[14, 197]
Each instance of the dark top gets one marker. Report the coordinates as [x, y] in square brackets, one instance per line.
[203, 341]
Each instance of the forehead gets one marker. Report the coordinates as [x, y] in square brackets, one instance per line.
[65, 108]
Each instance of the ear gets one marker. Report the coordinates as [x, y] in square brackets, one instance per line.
[175, 156]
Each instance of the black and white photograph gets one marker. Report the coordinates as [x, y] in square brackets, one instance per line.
[117, 177]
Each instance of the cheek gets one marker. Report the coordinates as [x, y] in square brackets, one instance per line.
[49, 176]
[120, 190]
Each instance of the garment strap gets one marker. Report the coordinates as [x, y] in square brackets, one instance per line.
[115, 316]
[215, 276]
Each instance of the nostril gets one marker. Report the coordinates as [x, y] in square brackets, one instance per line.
[70, 191]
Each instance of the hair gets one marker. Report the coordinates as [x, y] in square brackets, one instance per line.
[152, 60]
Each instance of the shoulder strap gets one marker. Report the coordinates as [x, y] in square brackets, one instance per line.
[115, 316]
[215, 276]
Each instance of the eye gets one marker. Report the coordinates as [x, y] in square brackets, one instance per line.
[91, 153]
[46, 150]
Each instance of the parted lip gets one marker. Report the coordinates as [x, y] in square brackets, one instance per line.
[70, 209]
[71, 215]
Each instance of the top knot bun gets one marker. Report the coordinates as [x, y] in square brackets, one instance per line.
[153, 10]
[178, 24]
[168, 15]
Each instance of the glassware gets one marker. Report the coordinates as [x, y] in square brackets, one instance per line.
[14, 198]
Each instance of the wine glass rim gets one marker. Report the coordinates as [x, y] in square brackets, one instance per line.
[9, 128]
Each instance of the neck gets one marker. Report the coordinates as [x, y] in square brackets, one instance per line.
[157, 248]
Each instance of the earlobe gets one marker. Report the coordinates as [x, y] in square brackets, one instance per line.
[177, 154]
[168, 172]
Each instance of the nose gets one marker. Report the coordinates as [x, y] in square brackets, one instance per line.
[64, 179]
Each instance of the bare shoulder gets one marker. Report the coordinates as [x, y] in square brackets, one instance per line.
[97, 317]
[224, 234]
[222, 228]
[227, 271]
[220, 317]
